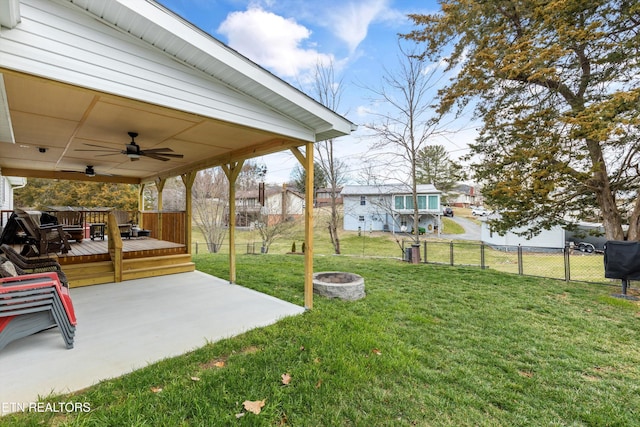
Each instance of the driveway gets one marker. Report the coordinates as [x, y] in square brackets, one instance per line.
[471, 230]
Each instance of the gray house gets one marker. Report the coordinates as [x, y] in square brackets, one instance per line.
[389, 207]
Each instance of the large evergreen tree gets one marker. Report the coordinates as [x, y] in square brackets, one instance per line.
[434, 166]
[557, 87]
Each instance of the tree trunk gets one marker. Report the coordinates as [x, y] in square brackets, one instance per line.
[611, 220]
[333, 223]
[634, 228]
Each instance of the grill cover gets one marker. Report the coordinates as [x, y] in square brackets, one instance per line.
[622, 260]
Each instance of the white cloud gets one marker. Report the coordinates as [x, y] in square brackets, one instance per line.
[272, 41]
[351, 22]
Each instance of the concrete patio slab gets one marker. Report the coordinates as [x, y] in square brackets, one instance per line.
[128, 325]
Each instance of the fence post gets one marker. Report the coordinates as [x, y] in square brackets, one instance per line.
[482, 260]
[520, 269]
[567, 263]
[425, 251]
[196, 248]
[451, 253]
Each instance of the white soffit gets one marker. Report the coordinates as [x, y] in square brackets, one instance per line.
[6, 129]
[9, 13]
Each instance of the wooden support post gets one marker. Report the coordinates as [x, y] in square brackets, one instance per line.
[114, 242]
[160, 186]
[232, 171]
[306, 160]
[141, 206]
[188, 180]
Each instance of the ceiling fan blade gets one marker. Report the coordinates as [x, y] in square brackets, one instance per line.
[99, 147]
[175, 156]
[156, 157]
[159, 150]
[103, 149]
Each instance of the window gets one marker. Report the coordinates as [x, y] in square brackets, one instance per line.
[361, 218]
[399, 202]
[409, 202]
[363, 201]
[422, 202]
[434, 202]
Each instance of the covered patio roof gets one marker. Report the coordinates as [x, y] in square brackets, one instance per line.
[80, 72]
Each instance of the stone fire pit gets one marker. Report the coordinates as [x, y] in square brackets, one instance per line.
[337, 284]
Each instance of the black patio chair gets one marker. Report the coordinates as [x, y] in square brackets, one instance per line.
[34, 265]
[43, 238]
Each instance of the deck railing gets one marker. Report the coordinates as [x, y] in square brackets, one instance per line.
[173, 222]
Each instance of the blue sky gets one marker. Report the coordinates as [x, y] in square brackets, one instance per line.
[289, 37]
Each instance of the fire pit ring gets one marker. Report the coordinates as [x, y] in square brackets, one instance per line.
[338, 284]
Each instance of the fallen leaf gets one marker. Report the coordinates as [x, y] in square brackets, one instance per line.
[319, 383]
[156, 389]
[526, 374]
[219, 364]
[195, 378]
[240, 415]
[253, 406]
[286, 379]
[376, 351]
[301, 348]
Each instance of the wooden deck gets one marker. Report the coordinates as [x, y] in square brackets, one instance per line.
[89, 261]
[137, 247]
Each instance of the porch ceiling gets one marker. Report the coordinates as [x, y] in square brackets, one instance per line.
[62, 119]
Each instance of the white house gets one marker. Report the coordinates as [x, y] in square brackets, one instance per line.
[7, 185]
[281, 204]
[390, 207]
[553, 238]
[464, 196]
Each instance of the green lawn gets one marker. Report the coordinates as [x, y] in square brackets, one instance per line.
[428, 346]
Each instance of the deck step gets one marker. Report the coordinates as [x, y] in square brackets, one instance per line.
[158, 271]
[94, 273]
[91, 273]
[155, 261]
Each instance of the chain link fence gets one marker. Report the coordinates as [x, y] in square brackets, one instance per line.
[566, 263]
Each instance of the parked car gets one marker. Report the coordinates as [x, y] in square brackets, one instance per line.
[447, 211]
[479, 211]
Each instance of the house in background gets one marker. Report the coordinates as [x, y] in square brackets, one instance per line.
[280, 204]
[585, 236]
[553, 238]
[390, 207]
[323, 197]
[464, 196]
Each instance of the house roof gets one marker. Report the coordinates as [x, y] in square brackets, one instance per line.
[270, 190]
[387, 189]
[79, 74]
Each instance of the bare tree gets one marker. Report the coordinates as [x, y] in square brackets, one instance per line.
[409, 93]
[328, 92]
[210, 201]
[275, 220]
